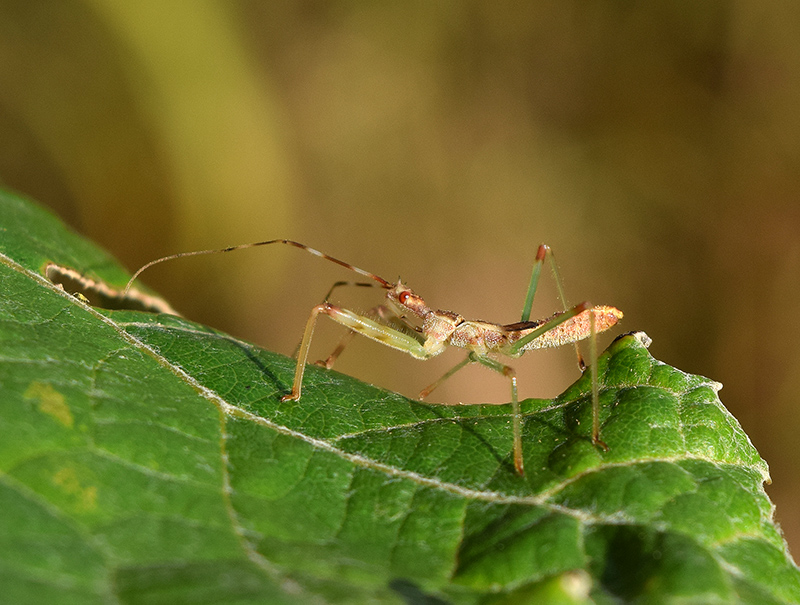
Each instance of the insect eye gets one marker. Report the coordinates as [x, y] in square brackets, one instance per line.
[404, 296]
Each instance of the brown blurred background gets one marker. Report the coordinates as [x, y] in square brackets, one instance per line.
[655, 147]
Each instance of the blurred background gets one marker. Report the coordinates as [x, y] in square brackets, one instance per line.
[654, 146]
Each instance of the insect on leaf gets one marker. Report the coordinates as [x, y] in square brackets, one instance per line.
[147, 458]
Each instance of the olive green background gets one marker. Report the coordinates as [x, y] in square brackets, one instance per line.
[654, 147]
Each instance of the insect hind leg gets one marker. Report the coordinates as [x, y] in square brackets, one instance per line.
[545, 253]
[595, 384]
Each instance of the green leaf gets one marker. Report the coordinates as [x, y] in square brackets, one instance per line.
[148, 459]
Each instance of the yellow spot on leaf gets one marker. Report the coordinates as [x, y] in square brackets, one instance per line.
[51, 402]
[85, 495]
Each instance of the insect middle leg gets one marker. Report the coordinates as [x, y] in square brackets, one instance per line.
[509, 373]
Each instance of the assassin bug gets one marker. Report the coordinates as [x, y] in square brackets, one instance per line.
[405, 322]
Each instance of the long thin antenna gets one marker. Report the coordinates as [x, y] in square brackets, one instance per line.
[380, 280]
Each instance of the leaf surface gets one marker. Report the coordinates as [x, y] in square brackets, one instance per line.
[148, 459]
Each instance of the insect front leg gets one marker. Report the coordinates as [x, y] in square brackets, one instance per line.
[408, 343]
[380, 314]
[328, 362]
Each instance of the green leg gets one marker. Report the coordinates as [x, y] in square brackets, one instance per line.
[365, 326]
[328, 363]
[534, 283]
[545, 253]
[514, 350]
[505, 370]
[508, 372]
[518, 346]
[379, 314]
[430, 388]
[595, 385]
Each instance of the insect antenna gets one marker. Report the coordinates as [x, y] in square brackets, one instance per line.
[382, 282]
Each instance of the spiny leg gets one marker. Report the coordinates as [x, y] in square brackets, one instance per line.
[545, 253]
[331, 359]
[380, 314]
[358, 323]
